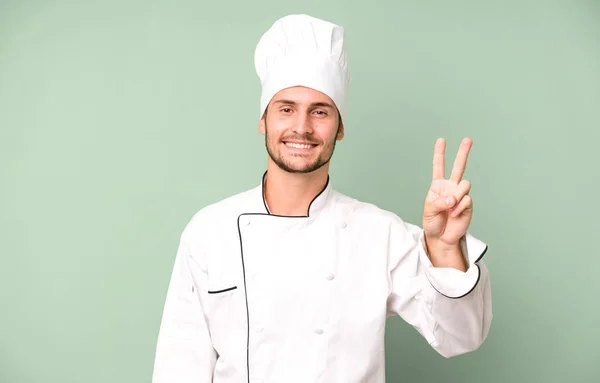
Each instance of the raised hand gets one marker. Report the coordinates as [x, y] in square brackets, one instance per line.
[448, 206]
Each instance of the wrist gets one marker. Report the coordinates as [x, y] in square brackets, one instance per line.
[446, 255]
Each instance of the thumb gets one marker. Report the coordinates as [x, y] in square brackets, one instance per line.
[441, 204]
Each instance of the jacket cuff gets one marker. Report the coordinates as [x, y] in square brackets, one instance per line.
[450, 282]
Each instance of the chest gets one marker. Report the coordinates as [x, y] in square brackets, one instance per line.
[281, 275]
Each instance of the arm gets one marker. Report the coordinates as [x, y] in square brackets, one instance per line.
[451, 309]
[184, 353]
[440, 285]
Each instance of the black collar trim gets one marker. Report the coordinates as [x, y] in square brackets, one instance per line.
[290, 216]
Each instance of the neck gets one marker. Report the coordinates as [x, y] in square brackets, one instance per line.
[290, 194]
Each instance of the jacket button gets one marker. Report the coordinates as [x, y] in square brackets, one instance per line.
[330, 277]
[319, 331]
[343, 225]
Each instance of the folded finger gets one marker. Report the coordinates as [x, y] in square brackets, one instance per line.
[463, 206]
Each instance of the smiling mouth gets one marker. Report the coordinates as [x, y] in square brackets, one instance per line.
[296, 145]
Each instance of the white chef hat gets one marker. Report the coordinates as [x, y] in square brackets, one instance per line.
[300, 50]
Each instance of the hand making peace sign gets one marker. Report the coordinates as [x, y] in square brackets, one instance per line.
[448, 206]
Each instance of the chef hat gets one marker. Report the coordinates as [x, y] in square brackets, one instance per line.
[300, 50]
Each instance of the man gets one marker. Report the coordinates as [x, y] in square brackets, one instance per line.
[292, 281]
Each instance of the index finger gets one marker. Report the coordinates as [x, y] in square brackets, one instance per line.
[438, 159]
[460, 163]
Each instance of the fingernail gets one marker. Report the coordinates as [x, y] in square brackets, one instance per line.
[449, 201]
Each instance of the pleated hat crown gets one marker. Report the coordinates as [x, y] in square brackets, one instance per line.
[301, 50]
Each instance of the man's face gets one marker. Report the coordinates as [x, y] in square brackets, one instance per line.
[301, 128]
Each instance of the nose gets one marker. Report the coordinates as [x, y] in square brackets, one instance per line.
[303, 124]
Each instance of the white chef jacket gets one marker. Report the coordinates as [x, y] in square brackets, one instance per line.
[256, 297]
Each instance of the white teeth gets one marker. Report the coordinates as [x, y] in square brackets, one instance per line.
[298, 146]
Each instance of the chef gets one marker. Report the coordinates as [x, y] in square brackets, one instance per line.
[292, 281]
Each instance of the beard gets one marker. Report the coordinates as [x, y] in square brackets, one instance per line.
[276, 155]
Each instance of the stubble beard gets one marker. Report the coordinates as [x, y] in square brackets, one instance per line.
[322, 160]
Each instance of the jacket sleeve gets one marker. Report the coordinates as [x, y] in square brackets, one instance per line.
[184, 352]
[451, 309]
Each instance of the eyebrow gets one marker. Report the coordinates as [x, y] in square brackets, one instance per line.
[314, 104]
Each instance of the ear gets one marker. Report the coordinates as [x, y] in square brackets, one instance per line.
[261, 125]
[340, 133]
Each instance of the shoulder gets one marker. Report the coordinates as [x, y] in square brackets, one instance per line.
[351, 206]
[366, 213]
[211, 217]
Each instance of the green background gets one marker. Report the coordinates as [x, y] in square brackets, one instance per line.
[120, 119]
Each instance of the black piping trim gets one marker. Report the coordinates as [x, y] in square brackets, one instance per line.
[482, 254]
[268, 213]
[290, 216]
[468, 292]
[222, 291]
[476, 282]
[246, 297]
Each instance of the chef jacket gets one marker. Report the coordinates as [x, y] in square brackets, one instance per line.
[257, 297]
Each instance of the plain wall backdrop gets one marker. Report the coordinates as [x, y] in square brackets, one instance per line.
[119, 119]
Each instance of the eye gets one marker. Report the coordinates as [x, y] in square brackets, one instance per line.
[321, 112]
[286, 110]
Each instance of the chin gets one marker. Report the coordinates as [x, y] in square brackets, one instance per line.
[306, 168]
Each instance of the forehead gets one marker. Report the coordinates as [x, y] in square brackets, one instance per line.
[302, 95]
